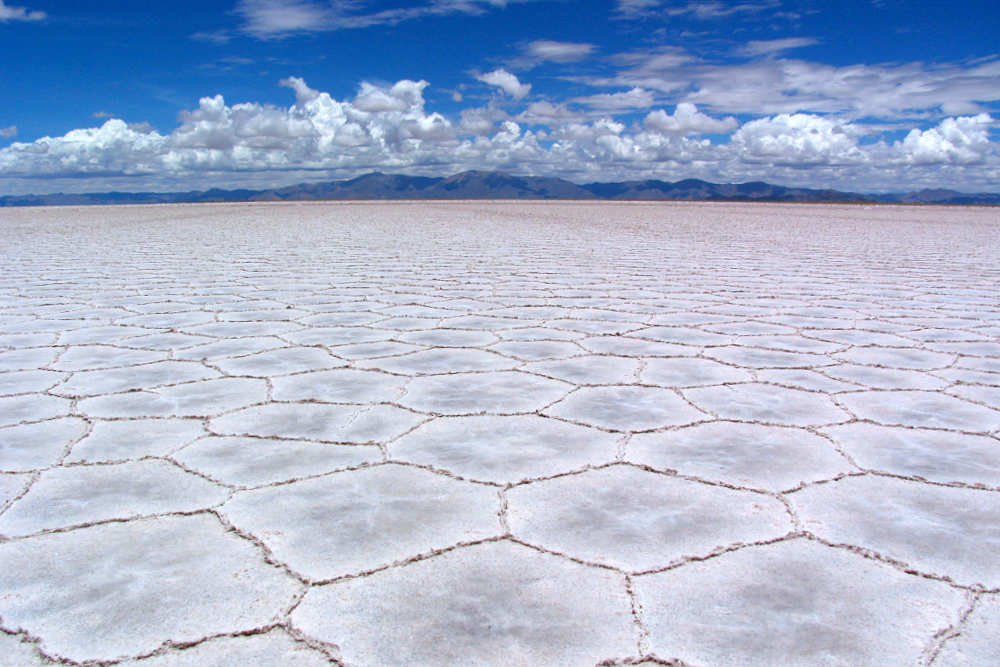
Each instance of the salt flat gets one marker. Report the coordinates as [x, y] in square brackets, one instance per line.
[500, 433]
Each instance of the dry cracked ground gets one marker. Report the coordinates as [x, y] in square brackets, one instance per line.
[500, 433]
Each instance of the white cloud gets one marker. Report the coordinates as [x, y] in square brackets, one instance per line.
[506, 81]
[213, 36]
[375, 99]
[142, 127]
[303, 93]
[797, 139]
[636, 7]
[687, 120]
[560, 52]
[8, 132]
[770, 46]
[110, 149]
[603, 150]
[547, 113]
[382, 126]
[390, 128]
[481, 121]
[589, 131]
[700, 10]
[636, 98]
[776, 85]
[19, 14]
[713, 10]
[963, 140]
[276, 19]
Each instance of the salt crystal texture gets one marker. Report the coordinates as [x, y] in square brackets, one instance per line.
[499, 432]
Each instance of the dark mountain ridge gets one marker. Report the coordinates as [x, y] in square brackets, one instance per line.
[500, 185]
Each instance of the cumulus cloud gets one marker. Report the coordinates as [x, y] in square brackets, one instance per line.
[797, 139]
[604, 147]
[303, 93]
[8, 132]
[390, 128]
[19, 13]
[636, 98]
[382, 126]
[547, 113]
[588, 131]
[142, 127]
[110, 149]
[687, 120]
[374, 99]
[506, 81]
[963, 140]
[482, 121]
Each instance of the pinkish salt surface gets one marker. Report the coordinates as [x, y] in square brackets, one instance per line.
[500, 433]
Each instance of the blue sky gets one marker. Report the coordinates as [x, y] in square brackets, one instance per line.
[857, 94]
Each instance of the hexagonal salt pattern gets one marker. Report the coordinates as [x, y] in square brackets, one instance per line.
[275, 647]
[922, 408]
[250, 462]
[976, 642]
[195, 399]
[11, 486]
[638, 520]
[130, 378]
[946, 531]
[339, 386]
[81, 495]
[745, 455]
[21, 652]
[316, 421]
[767, 403]
[135, 438]
[26, 408]
[145, 583]
[938, 456]
[626, 408]
[502, 392]
[38, 445]
[493, 603]
[505, 449]
[369, 518]
[794, 603]
[461, 432]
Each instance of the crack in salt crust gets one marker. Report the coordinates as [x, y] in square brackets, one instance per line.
[807, 372]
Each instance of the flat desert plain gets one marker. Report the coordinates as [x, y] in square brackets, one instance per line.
[522, 433]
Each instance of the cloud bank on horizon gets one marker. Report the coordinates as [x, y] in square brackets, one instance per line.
[724, 91]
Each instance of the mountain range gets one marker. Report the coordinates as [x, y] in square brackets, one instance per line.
[500, 185]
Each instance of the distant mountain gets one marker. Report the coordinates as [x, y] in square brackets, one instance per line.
[104, 198]
[499, 185]
[693, 189]
[375, 185]
[466, 185]
[938, 196]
